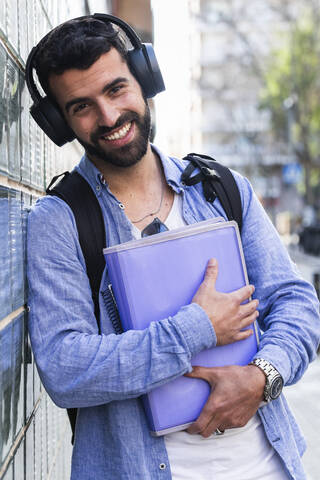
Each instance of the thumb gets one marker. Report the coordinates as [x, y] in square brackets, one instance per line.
[211, 273]
[204, 373]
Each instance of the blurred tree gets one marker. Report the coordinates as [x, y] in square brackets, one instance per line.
[292, 94]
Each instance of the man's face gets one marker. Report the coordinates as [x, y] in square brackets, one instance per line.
[105, 108]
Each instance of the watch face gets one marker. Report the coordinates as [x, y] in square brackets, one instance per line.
[276, 387]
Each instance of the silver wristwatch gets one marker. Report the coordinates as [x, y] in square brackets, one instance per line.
[274, 381]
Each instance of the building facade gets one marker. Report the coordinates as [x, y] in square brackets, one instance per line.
[236, 41]
[178, 49]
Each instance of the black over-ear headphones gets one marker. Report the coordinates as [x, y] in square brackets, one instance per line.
[141, 59]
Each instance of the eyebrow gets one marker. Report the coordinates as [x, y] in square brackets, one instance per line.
[108, 86]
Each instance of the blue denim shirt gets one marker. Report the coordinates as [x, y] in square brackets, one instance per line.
[105, 375]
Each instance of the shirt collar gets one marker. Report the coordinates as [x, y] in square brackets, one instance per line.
[171, 171]
[89, 170]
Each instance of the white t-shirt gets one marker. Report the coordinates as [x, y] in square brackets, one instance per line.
[173, 220]
[239, 454]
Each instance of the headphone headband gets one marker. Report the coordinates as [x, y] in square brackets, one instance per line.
[141, 58]
[131, 34]
[104, 17]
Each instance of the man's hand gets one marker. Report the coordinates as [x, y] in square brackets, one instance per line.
[236, 393]
[225, 311]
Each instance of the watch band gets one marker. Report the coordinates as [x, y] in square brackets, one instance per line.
[274, 381]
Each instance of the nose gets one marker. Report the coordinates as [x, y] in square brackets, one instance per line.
[108, 114]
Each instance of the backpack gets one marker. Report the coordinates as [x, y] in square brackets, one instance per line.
[216, 179]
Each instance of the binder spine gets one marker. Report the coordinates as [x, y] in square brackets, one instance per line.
[119, 291]
[112, 309]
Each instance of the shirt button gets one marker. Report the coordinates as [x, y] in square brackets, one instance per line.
[162, 466]
[183, 184]
[98, 188]
[121, 206]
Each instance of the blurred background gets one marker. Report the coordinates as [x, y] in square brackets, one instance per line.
[243, 85]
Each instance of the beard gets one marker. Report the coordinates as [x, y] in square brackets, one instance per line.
[127, 155]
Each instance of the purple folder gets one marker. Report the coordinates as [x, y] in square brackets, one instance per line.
[152, 278]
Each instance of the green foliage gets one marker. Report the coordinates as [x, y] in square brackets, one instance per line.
[292, 88]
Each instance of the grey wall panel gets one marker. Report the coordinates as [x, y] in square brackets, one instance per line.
[32, 144]
[13, 99]
[43, 24]
[28, 372]
[6, 391]
[19, 462]
[24, 132]
[5, 290]
[36, 384]
[29, 452]
[3, 10]
[12, 23]
[31, 24]
[50, 165]
[3, 113]
[37, 155]
[16, 249]
[44, 438]
[25, 206]
[17, 406]
[9, 473]
[37, 445]
[23, 29]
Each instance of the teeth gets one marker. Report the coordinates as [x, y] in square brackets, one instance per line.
[120, 133]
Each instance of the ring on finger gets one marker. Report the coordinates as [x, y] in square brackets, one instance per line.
[218, 431]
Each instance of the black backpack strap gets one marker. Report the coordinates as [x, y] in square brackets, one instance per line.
[78, 194]
[217, 181]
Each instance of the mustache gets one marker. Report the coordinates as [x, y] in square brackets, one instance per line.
[123, 119]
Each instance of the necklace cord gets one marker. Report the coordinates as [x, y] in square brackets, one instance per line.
[152, 213]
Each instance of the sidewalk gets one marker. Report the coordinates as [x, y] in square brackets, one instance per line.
[304, 397]
[304, 400]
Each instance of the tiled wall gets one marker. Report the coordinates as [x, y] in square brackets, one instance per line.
[34, 434]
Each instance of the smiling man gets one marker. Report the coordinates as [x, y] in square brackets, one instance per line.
[91, 101]
[84, 69]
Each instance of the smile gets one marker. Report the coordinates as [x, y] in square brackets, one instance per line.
[119, 134]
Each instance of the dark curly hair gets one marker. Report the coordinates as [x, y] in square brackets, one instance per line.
[77, 43]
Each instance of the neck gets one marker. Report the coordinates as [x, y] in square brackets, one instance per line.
[123, 179]
[139, 187]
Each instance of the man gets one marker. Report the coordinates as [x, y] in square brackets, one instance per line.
[82, 66]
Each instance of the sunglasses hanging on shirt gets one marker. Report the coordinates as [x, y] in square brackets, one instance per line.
[156, 226]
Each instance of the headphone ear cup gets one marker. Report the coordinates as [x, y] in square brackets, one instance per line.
[50, 120]
[146, 69]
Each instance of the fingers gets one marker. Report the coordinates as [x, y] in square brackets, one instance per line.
[243, 293]
[204, 373]
[204, 420]
[208, 430]
[243, 335]
[248, 308]
[247, 321]
[208, 421]
[211, 273]
[248, 313]
[201, 427]
[234, 398]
